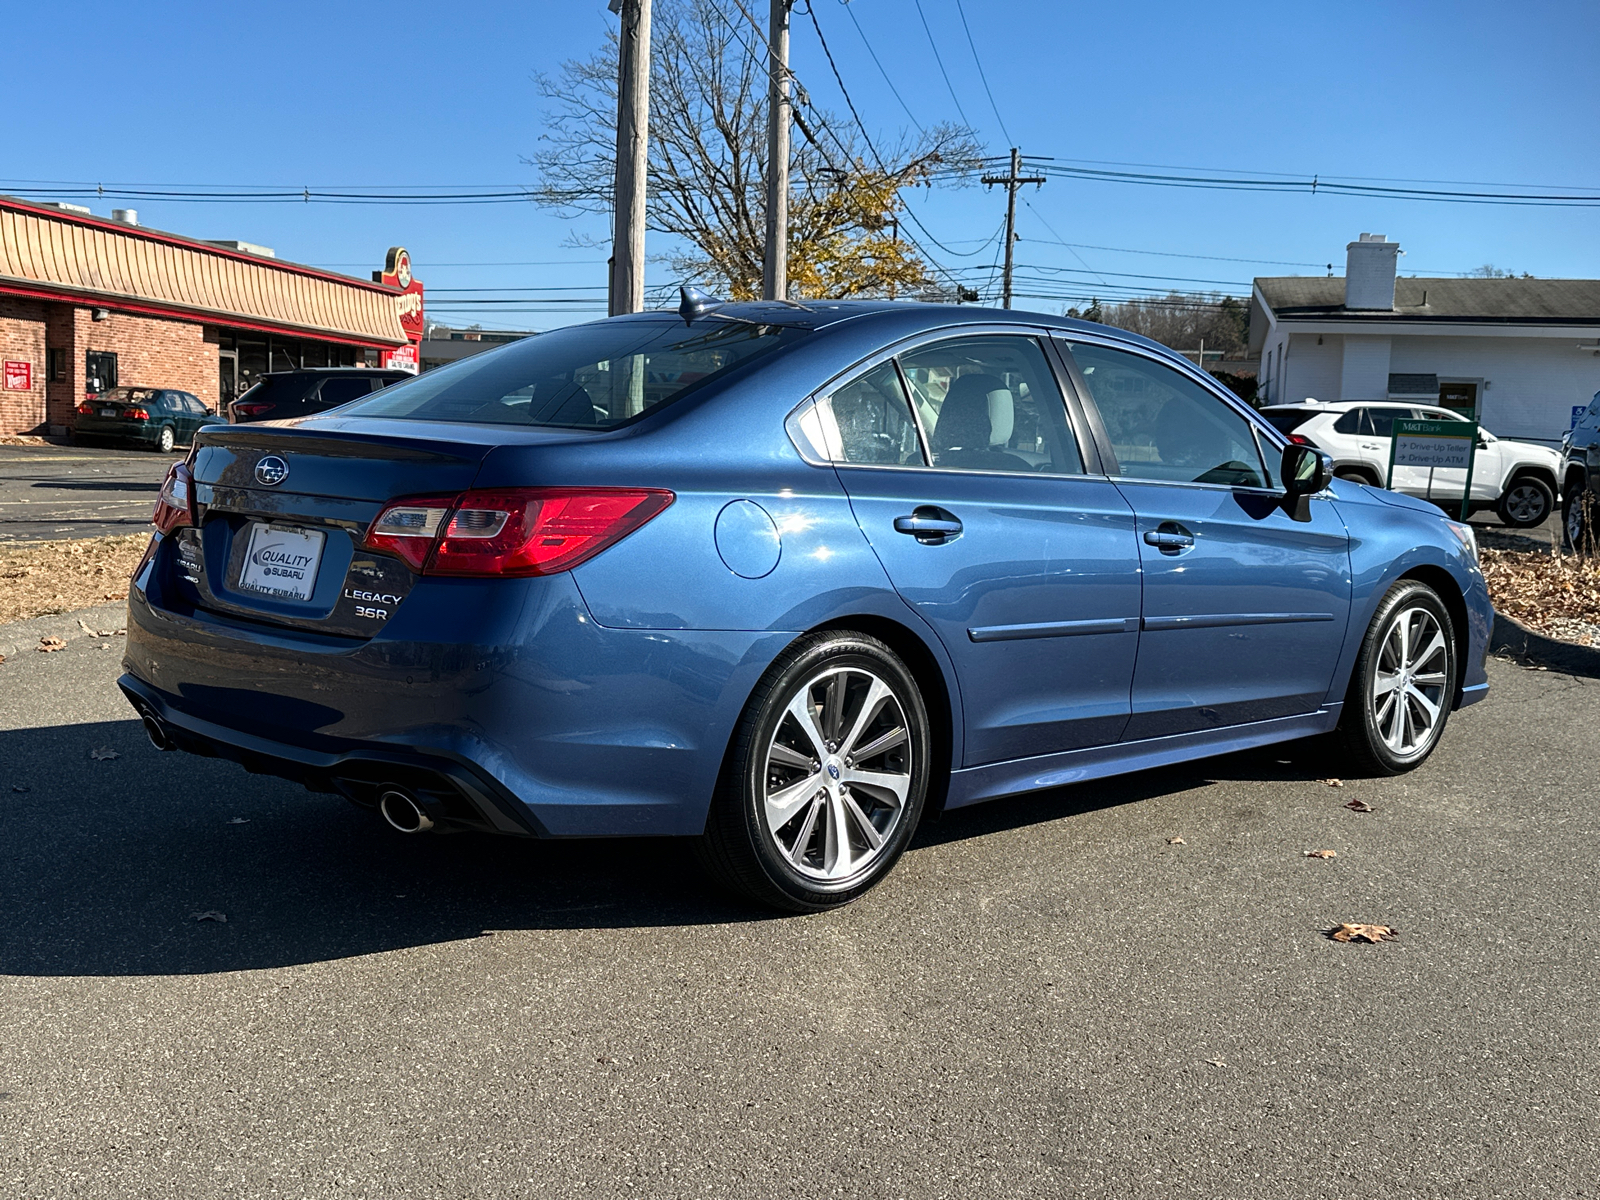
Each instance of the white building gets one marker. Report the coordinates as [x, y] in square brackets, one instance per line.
[1519, 354]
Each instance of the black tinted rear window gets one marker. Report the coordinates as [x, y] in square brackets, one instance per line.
[281, 389]
[595, 376]
[1288, 422]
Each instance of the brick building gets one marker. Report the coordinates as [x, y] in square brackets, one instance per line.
[88, 304]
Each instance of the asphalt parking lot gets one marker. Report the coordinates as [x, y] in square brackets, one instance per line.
[1047, 998]
[64, 491]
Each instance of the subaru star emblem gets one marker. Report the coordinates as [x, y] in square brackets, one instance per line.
[833, 771]
[271, 471]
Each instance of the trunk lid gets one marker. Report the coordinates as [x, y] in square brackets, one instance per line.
[281, 515]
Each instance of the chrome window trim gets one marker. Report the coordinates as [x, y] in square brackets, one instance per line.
[892, 353]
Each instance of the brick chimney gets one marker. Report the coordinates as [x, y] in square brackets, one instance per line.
[1369, 273]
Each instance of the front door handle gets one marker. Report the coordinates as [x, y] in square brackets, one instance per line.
[929, 525]
[1169, 538]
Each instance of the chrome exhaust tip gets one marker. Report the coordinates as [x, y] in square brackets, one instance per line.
[402, 812]
[156, 731]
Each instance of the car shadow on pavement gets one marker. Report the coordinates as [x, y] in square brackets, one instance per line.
[108, 866]
[118, 859]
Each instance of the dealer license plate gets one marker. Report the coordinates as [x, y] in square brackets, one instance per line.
[281, 562]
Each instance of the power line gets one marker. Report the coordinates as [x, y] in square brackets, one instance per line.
[938, 58]
[981, 73]
[811, 11]
[876, 61]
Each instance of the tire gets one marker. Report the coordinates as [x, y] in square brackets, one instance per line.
[1377, 738]
[1526, 502]
[791, 784]
[1355, 475]
[165, 440]
[1577, 519]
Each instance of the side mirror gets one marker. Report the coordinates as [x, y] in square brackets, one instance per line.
[1306, 471]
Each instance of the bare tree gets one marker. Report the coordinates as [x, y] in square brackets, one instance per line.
[1180, 320]
[708, 163]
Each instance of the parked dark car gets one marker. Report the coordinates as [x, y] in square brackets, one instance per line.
[781, 577]
[281, 395]
[1580, 464]
[159, 418]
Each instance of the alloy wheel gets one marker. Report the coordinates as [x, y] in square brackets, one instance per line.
[1409, 683]
[1526, 503]
[837, 772]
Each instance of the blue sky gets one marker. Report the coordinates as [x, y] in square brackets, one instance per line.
[399, 94]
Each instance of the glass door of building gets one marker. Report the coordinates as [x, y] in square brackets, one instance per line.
[228, 379]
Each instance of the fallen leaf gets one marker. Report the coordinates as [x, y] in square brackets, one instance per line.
[1176, 842]
[84, 625]
[47, 644]
[20, 787]
[240, 821]
[1334, 782]
[209, 915]
[102, 753]
[1362, 933]
[1320, 853]
[1360, 806]
[1217, 1062]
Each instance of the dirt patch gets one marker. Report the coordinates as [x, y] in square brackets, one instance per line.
[1553, 594]
[40, 578]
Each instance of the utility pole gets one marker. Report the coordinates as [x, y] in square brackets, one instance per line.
[633, 152]
[775, 260]
[1011, 182]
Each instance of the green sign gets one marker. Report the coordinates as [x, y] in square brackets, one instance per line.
[1435, 445]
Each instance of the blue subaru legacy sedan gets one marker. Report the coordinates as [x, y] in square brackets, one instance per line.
[787, 578]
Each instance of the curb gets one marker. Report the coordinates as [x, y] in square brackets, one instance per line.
[19, 637]
[1513, 637]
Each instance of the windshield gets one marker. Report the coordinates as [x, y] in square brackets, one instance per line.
[595, 376]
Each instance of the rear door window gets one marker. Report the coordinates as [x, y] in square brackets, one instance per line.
[873, 419]
[995, 406]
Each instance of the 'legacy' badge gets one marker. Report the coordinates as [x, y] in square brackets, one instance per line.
[271, 471]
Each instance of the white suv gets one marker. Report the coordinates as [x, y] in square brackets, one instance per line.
[1515, 479]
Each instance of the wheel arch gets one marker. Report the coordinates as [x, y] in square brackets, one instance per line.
[1544, 474]
[1357, 472]
[1574, 481]
[1449, 592]
[929, 672]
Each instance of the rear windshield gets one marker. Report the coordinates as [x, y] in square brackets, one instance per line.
[595, 376]
[1288, 422]
[280, 389]
[130, 395]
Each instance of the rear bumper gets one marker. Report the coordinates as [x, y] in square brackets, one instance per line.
[537, 720]
[126, 431]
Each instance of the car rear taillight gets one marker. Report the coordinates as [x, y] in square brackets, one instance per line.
[86, 409]
[410, 528]
[137, 414]
[253, 409]
[175, 505]
[512, 531]
[1300, 439]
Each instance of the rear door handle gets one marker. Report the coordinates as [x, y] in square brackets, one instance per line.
[929, 525]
